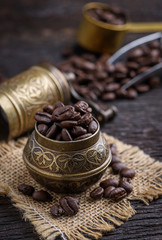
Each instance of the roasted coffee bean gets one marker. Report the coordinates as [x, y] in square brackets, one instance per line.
[63, 113]
[68, 124]
[43, 117]
[137, 52]
[114, 159]
[48, 108]
[126, 185]
[112, 87]
[57, 210]
[107, 191]
[83, 136]
[78, 131]
[82, 107]
[121, 93]
[59, 104]
[154, 82]
[128, 173]
[65, 135]
[118, 167]
[113, 148]
[142, 88]
[131, 93]
[41, 196]
[52, 131]
[92, 127]
[85, 119]
[109, 96]
[109, 182]
[69, 205]
[76, 116]
[58, 137]
[42, 128]
[117, 194]
[26, 189]
[97, 193]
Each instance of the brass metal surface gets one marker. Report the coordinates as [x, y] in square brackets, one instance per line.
[60, 165]
[25, 94]
[98, 36]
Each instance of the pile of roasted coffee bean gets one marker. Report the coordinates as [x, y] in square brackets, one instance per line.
[111, 187]
[97, 80]
[65, 122]
[68, 205]
[113, 15]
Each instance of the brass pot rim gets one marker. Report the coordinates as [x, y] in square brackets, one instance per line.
[108, 26]
[68, 177]
[66, 145]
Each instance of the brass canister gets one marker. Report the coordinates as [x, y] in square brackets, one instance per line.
[25, 94]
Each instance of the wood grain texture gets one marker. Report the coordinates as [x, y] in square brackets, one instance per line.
[33, 31]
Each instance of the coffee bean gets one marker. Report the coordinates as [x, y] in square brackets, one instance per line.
[112, 87]
[114, 159]
[58, 137]
[131, 93]
[48, 108]
[66, 135]
[42, 128]
[26, 189]
[137, 52]
[118, 167]
[76, 116]
[69, 205]
[52, 131]
[128, 172]
[92, 127]
[81, 106]
[113, 148]
[117, 194]
[142, 88]
[85, 119]
[109, 96]
[43, 117]
[41, 196]
[59, 104]
[107, 191]
[78, 131]
[126, 185]
[154, 82]
[109, 182]
[83, 136]
[68, 124]
[97, 193]
[63, 113]
[57, 210]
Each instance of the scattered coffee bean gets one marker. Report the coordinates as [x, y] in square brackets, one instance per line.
[69, 205]
[114, 159]
[97, 193]
[118, 167]
[113, 148]
[128, 173]
[57, 210]
[126, 185]
[26, 189]
[109, 182]
[107, 191]
[118, 193]
[41, 196]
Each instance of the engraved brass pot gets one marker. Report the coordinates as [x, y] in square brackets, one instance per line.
[67, 167]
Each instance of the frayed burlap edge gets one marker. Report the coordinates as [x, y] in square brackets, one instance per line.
[111, 217]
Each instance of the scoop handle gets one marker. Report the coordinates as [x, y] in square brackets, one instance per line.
[145, 27]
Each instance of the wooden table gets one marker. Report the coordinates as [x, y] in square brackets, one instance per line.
[33, 31]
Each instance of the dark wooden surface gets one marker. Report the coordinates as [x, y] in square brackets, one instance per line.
[32, 31]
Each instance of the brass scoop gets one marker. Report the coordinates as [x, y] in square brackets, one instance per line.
[98, 36]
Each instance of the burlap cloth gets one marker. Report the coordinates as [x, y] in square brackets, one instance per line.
[94, 217]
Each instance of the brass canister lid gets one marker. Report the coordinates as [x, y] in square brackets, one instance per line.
[25, 94]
